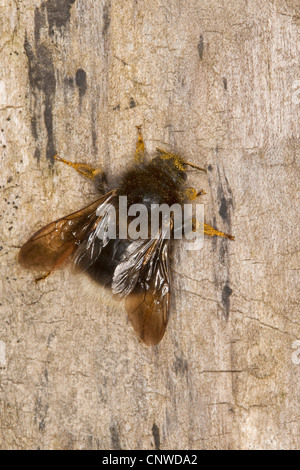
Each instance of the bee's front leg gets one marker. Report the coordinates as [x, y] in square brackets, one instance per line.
[83, 169]
[140, 147]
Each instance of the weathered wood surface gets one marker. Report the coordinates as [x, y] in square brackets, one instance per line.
[219, 82]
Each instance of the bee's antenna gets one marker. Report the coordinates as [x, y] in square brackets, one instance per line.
[195, 166]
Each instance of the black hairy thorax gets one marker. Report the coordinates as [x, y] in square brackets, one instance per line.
[156, 182]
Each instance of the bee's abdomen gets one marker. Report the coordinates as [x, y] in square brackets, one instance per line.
[102, 270]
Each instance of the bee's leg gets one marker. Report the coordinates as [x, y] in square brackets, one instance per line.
[42, 278]
[208, 230]
[192, 193]
[140, 147]
[83, 169]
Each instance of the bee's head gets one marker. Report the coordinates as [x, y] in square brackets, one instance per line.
[174, 165]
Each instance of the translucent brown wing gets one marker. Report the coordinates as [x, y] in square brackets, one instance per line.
[143, 278]
[53, 245]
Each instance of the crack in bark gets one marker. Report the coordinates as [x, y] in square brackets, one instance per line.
[34, 302]
[264, 324]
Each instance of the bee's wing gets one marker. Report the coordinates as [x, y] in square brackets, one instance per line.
[143, 278]
[53, 245]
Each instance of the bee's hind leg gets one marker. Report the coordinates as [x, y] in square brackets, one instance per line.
[42, 278]
[208, 230]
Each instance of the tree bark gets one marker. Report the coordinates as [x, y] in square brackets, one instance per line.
[218, 82]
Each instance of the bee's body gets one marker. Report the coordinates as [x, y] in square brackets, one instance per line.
[137, 270]
[102, 270]
[159, 181]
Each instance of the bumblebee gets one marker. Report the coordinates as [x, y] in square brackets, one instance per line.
[137, 270]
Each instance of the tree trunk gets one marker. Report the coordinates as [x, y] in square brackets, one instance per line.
[218, 82]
